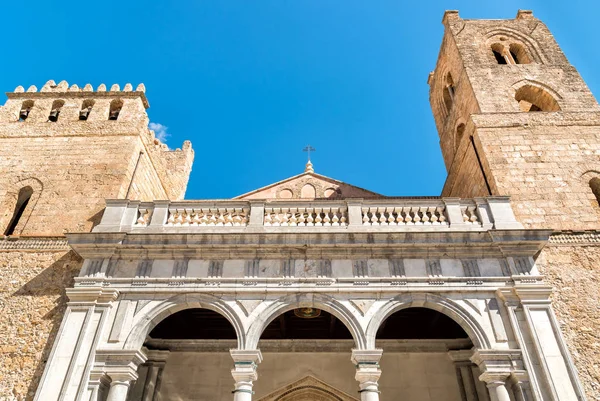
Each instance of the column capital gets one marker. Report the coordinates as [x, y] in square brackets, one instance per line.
[494, 379]
[120, 365]
[366, 356]
[245, 364]
[367, 369]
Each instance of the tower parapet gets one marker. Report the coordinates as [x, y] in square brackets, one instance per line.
[73, 147]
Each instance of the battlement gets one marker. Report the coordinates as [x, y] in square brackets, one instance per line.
[61, 103]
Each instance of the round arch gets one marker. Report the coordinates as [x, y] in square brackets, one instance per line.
[440, 304]
[291, 302]
[150, 316]
[530, 44]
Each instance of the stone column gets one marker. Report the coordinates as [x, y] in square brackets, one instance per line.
[244, 372]
[119, 385]
[496, 384]
[367, 372]
[121, 367]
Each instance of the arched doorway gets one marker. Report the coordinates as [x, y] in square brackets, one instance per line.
[185, 347]
[425, 357]
[306, 356]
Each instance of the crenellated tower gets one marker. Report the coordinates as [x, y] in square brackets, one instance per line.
[515, 118]
[67, 149]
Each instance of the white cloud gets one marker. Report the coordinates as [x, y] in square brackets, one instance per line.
[160, 131]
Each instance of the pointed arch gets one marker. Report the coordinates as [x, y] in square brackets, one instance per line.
[313, 300]
[438, 303]
[148, 317]
[18, 204]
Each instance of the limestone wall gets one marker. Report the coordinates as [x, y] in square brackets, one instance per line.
[32, 303]
[573, 272]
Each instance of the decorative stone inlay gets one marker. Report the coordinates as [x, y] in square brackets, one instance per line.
[306, 216]
[232, 216]
[46, 244]
[575, 238]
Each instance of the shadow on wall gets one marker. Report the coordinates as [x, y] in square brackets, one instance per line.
[51, 283]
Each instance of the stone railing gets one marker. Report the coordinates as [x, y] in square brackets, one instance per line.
[400, 214]
[306, 216]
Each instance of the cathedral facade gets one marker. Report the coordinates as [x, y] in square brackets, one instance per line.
[116, 288]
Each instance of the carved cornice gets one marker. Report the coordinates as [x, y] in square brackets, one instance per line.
[294, 244]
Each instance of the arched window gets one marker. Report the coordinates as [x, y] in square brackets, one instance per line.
[448, 92]
[595, 186]
[55, 111]
[115, 108]
[25, 110]
[460, 131]
[533, 98]
[86, 108]
[519, 54]
[498, 51]
[22, 201]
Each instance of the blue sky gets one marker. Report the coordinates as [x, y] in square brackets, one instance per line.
[250, 83]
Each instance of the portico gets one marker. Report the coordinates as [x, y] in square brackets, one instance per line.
[336, 300]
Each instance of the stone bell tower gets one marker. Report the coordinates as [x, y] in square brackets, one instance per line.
[64, 150]
[515, 118]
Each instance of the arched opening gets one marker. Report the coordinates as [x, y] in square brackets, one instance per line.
[55, 111]
[302, 343]
[419, 348]
[448, 94]
[533, 98]
[23, 199]
[498, 52]
[519, 54]
[595, 186]
[25, 110]
[187, 344]
[115, 109]
[458, 136]
[86, 109]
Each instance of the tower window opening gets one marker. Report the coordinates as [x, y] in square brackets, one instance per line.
[448, 93]
[519, 54]
[498, 51]
[595, 186]
[55, 111]
[460, 132]
[532, 98]
[22, 201]
[499, 57]
[25, 110]
[115, 109]
[86, 108]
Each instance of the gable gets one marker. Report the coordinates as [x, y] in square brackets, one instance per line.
[309, 185]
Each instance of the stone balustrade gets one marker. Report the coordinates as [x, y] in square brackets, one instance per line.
[306, 216]
[208, 216]
[392, 214]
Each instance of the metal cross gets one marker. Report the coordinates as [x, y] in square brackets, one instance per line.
[309, 149]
